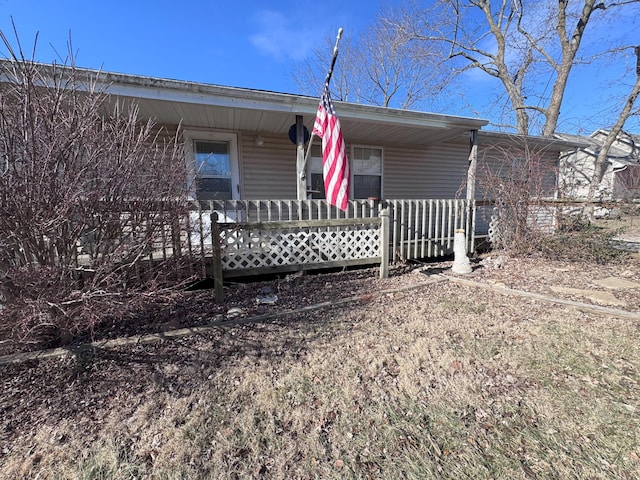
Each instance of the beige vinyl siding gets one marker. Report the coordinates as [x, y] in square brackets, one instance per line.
[499, 162]
[268, 172]
[435, 172]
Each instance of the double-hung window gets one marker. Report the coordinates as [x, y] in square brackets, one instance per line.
[366, 168]
[315, 172]
[366, 172]
[213, 166]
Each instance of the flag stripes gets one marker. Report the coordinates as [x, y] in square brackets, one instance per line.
[335, 166]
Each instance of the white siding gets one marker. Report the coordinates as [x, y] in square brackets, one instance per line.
[576, 172]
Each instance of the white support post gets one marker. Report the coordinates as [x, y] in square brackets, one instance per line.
[384, 243]
[471, 185]
[473, 161]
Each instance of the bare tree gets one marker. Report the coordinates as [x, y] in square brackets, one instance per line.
[86, 190]
[625, 112]
[531, 48]
[310, 73]
[379, 67]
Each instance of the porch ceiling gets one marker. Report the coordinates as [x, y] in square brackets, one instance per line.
[388, 131]
[209, 106]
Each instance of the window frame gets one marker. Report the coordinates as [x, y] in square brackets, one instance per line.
[352, 172]
[321, 195]
[352, 168]
[193, 136]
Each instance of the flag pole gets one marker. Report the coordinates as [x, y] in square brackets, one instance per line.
[334, 58]
[326, 82]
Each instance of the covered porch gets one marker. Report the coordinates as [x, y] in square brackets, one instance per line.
[423, 169]
[253, 237]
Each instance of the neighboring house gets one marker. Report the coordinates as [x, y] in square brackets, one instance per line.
[621, 180]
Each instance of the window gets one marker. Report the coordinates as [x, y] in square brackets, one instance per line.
[213, 167]
[366, 171]
[216, 165]
[366, 165]
[315, 172]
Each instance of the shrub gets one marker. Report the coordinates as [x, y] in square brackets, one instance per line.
[515, 179]
[583, 242]
[87, 189]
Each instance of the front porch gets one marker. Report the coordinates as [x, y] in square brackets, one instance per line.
[255, 237]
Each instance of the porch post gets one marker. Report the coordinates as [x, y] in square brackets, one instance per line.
[384, 242]
[471, 190]
[473, 161]
[301, 169]
[217, 258]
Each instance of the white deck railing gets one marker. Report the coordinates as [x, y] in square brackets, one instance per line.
[419, 229]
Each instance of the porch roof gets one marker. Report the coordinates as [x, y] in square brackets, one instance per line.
[211, 106]
[554, 144]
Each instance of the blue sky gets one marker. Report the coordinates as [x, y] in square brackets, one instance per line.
[243, 43]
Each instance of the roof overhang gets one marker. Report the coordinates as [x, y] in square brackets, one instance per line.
[556, 144]
[210, 106]
[198, 105]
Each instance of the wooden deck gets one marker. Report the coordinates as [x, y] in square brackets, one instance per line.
[261, 236]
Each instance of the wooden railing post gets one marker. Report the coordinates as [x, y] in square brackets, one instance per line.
[217, 258]
[384, 243]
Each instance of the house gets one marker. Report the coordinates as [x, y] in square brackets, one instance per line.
[621, 180]
[247, 146]
[393, 153]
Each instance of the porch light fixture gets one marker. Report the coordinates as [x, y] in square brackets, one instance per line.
[259, 140]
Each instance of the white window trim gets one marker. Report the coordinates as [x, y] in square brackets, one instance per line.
[352, 169]
[191, 136]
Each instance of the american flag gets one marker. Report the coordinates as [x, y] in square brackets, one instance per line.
[335, 166]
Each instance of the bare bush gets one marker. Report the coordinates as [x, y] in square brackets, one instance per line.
[584, 243]
[519, 183]
[87, 190]
[515, 180]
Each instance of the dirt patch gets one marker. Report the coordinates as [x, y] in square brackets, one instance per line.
[446, 381]
[241, 299]
[557, 278]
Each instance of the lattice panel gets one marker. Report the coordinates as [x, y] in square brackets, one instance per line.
[246, 248]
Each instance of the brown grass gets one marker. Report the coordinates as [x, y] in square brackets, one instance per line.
[445, 381]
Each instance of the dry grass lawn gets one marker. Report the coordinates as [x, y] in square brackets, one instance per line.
[440, 381]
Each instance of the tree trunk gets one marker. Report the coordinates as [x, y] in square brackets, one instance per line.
[570, 48]
[601, 162]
